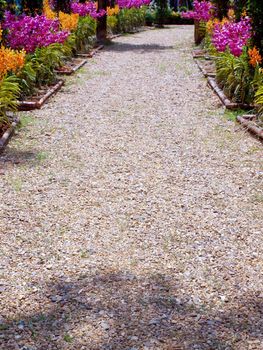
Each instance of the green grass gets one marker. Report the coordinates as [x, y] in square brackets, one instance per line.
[258, 198]
[41, 156]
[16, 184]
[232, 115]
[25, 120]
[84, 254]
[68, 338]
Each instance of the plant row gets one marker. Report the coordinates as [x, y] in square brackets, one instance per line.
[38, 38]
[232, 35]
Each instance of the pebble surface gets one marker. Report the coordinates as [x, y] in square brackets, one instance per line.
[131, 211]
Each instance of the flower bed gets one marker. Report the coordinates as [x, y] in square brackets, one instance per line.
[230, 41]
[47, 40]
[37, 100]
[207, 67]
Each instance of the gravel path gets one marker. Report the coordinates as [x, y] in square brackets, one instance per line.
[131, 211]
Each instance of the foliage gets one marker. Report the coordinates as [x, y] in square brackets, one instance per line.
[112, 24]
[84, 33]
[237, 77]
[130, 18]
[9, 93]
[40, 66]
[259, 100]
[2, 9]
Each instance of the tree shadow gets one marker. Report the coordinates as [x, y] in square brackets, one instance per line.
[120, 311]
[12, 156]
[144, 48]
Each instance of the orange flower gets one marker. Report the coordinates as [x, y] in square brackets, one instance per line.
[255, 57]
[68, 21]
[231, 15]
[11, 60]
[113, 10]
[47, 10]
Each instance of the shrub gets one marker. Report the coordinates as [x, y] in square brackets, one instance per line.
[238, 78]
[9, 93]
[112, 24]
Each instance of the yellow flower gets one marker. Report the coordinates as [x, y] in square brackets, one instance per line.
[47, 10]
[231, 15]
[244, 13]
[211, 24]
[111, 11]
[11, 60]
[255, 57]
[68, 21]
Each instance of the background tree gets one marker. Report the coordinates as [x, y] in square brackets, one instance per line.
[31, 7]
[2, 9]
[255, 11]
[222, 7]
[62, 5]
[101, 29]
[161, 10]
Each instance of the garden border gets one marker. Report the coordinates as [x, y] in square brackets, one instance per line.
[5, 138]
[91, 53]
[225, 100]
[199, 53]
[202, 69]
[73, 69]
[247, 122]
[29, 105]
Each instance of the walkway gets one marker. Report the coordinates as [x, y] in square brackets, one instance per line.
[131, 211]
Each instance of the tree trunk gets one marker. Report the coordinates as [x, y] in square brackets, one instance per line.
[199, 33]
[101, 31]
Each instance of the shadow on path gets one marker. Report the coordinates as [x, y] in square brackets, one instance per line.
[119, 311]
[145, 48]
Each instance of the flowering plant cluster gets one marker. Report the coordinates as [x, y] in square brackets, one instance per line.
[202, 11]
[232, 35]
[29, 33]
[68, 21]
[10, 61]
[254, 57]
[47, 10]
[132, 3]
[111, 11]
[87, 9]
